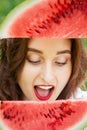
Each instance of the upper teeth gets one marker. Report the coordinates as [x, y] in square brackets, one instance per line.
[45, 87]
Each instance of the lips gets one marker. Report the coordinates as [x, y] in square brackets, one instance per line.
[43, 92]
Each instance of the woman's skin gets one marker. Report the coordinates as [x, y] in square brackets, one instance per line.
[46, 70]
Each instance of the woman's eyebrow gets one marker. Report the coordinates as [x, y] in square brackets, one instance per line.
[64, 52]
[34, 50]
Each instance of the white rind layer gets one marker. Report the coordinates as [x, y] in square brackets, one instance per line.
[81, 125]
[3, 126]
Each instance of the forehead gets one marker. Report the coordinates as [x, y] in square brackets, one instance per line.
[50, 44]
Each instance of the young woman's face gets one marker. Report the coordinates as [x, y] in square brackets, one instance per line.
[47, 69]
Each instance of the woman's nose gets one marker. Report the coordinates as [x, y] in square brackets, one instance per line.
[48, 74]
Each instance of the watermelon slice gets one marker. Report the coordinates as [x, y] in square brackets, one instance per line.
[32, 115]
[51, 18]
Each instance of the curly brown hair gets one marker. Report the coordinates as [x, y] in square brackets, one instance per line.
[13, 52]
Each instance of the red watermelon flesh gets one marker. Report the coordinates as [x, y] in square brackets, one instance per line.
[51, 18]
[57, 115]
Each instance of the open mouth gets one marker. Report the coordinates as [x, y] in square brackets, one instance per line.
[43, 92]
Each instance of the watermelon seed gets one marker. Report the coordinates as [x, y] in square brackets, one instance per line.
[50, 5]
[55, 19]
[48, 115]
[37, 31]
[61, 107]
[20, 124]
[17, 113]
[53, 13]
[61, 116]
[1, 105]
[47, 20]
[1, 102]
[63, 15]
[41, 113]
[58, 1]
[50, 111]
[43, 27]
[22, 118]
[19, 119]
[58, 15]
[55, 6]
[69, 112]
[45, 115]
[66, 12]
[71, 10]
[29, 32]
[53, 111]
[55, 116]
[15, 121]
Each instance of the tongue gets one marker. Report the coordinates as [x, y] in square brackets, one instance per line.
[42, 92]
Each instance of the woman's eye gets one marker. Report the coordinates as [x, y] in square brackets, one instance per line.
[33, 61]
[61, 63]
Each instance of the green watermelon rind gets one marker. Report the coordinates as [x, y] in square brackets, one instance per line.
[13, 15]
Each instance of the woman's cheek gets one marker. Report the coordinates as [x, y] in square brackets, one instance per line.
[32, 71]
